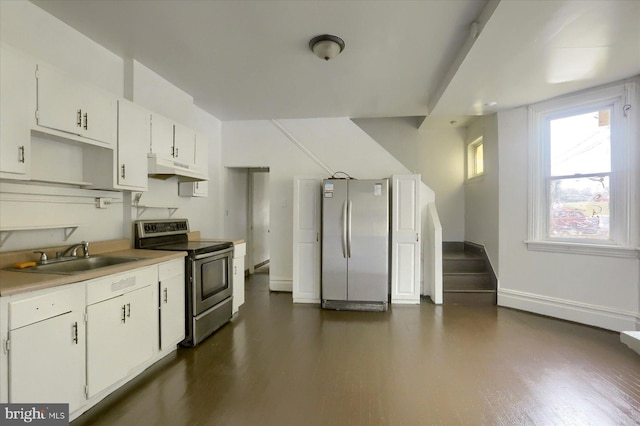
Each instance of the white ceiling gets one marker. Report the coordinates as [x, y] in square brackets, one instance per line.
[251, 59]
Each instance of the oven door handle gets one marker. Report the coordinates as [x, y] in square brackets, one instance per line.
[213, 253]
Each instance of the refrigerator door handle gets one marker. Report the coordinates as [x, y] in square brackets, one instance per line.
[349, 229]
[344, 230]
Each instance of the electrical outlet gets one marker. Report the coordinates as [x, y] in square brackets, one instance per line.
[103, 203]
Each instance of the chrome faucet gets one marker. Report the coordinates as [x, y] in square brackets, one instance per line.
[73, 249]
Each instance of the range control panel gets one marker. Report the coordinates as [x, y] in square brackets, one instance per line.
[161, 227]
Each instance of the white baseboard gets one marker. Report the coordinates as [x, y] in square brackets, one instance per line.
[281, 284]
[303, 300]
[405, 302]
[598, 316]
[631, 339]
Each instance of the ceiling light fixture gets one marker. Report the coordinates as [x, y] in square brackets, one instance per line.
[326, 46]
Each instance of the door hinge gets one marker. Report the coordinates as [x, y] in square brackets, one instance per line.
[86, 391]
[86, 317]
[37, 73]
[7, 346]
[37, 114]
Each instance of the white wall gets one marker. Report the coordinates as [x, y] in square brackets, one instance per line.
[236, 190]
[481, 193]
[437, 154]
[335, 144]
[29, 29]
[596, 290]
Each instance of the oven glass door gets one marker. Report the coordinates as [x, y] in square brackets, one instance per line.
[213, 280]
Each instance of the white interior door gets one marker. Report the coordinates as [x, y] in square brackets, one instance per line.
[405, 239]
[306, 239]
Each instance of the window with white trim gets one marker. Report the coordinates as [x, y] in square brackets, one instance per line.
[582, 167]
[475, 158]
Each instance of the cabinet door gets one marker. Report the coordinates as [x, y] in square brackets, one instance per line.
[161, 136]
[139, 323]
[107, 357]
[306, 239]
[405, 239]
[17, 103]
[46, 361]
[134, 138]
[172, 315]
[201, 154]
[99, 116]
[60, 101]
[238, 283]
[184, 143]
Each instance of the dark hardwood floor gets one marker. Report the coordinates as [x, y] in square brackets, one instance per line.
[283, 364]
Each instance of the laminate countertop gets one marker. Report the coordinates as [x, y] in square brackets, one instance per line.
[15, 282]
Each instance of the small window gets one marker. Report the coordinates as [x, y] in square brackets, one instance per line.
[475, 159]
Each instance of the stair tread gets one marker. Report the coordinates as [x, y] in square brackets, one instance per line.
[458, 255]
[481, 273]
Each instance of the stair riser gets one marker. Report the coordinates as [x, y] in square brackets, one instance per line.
[457, 265]
[466, 282]
[469, 298]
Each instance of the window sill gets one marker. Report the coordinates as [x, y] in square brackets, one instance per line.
[582, 248]
[476, 178]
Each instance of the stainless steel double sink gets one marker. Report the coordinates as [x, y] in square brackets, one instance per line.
[79, 265]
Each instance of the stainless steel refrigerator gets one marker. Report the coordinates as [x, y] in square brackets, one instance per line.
[355, 244]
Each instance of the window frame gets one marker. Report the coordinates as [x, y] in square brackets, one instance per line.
[621, 98]
[472, 149]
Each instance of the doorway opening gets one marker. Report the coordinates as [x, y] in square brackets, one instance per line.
[247, 214]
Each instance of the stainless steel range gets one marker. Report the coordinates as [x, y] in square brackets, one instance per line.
[208, 274]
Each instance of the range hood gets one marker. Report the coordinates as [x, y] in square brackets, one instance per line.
[164, 168]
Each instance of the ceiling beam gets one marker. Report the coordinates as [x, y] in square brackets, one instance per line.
[475, 29]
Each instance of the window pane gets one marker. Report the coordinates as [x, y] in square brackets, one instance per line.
[579, 207]
[479, 159]
[581, 144]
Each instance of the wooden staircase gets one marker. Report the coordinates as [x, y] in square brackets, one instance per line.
[468, 278]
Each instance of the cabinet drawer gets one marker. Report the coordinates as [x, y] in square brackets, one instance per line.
[170, 269]
[33, 309]
[114, 285]
[239, 250]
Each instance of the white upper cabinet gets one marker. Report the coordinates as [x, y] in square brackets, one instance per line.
[198, 189]
[71, 106]
[184, 144]
[134, 137]
[161, 136]
[17, 103]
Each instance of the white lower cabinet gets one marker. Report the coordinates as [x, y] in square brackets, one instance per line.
[239, 251]
[76, 343]
[172, 292]
[47, 348]
[120, 326]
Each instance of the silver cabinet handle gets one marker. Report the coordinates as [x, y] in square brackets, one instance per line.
[86, 121]
[123, 171]
[166, 295]
[129, 310]
[21, 154]
[79, 118]
[75, 332]
[124, 313]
